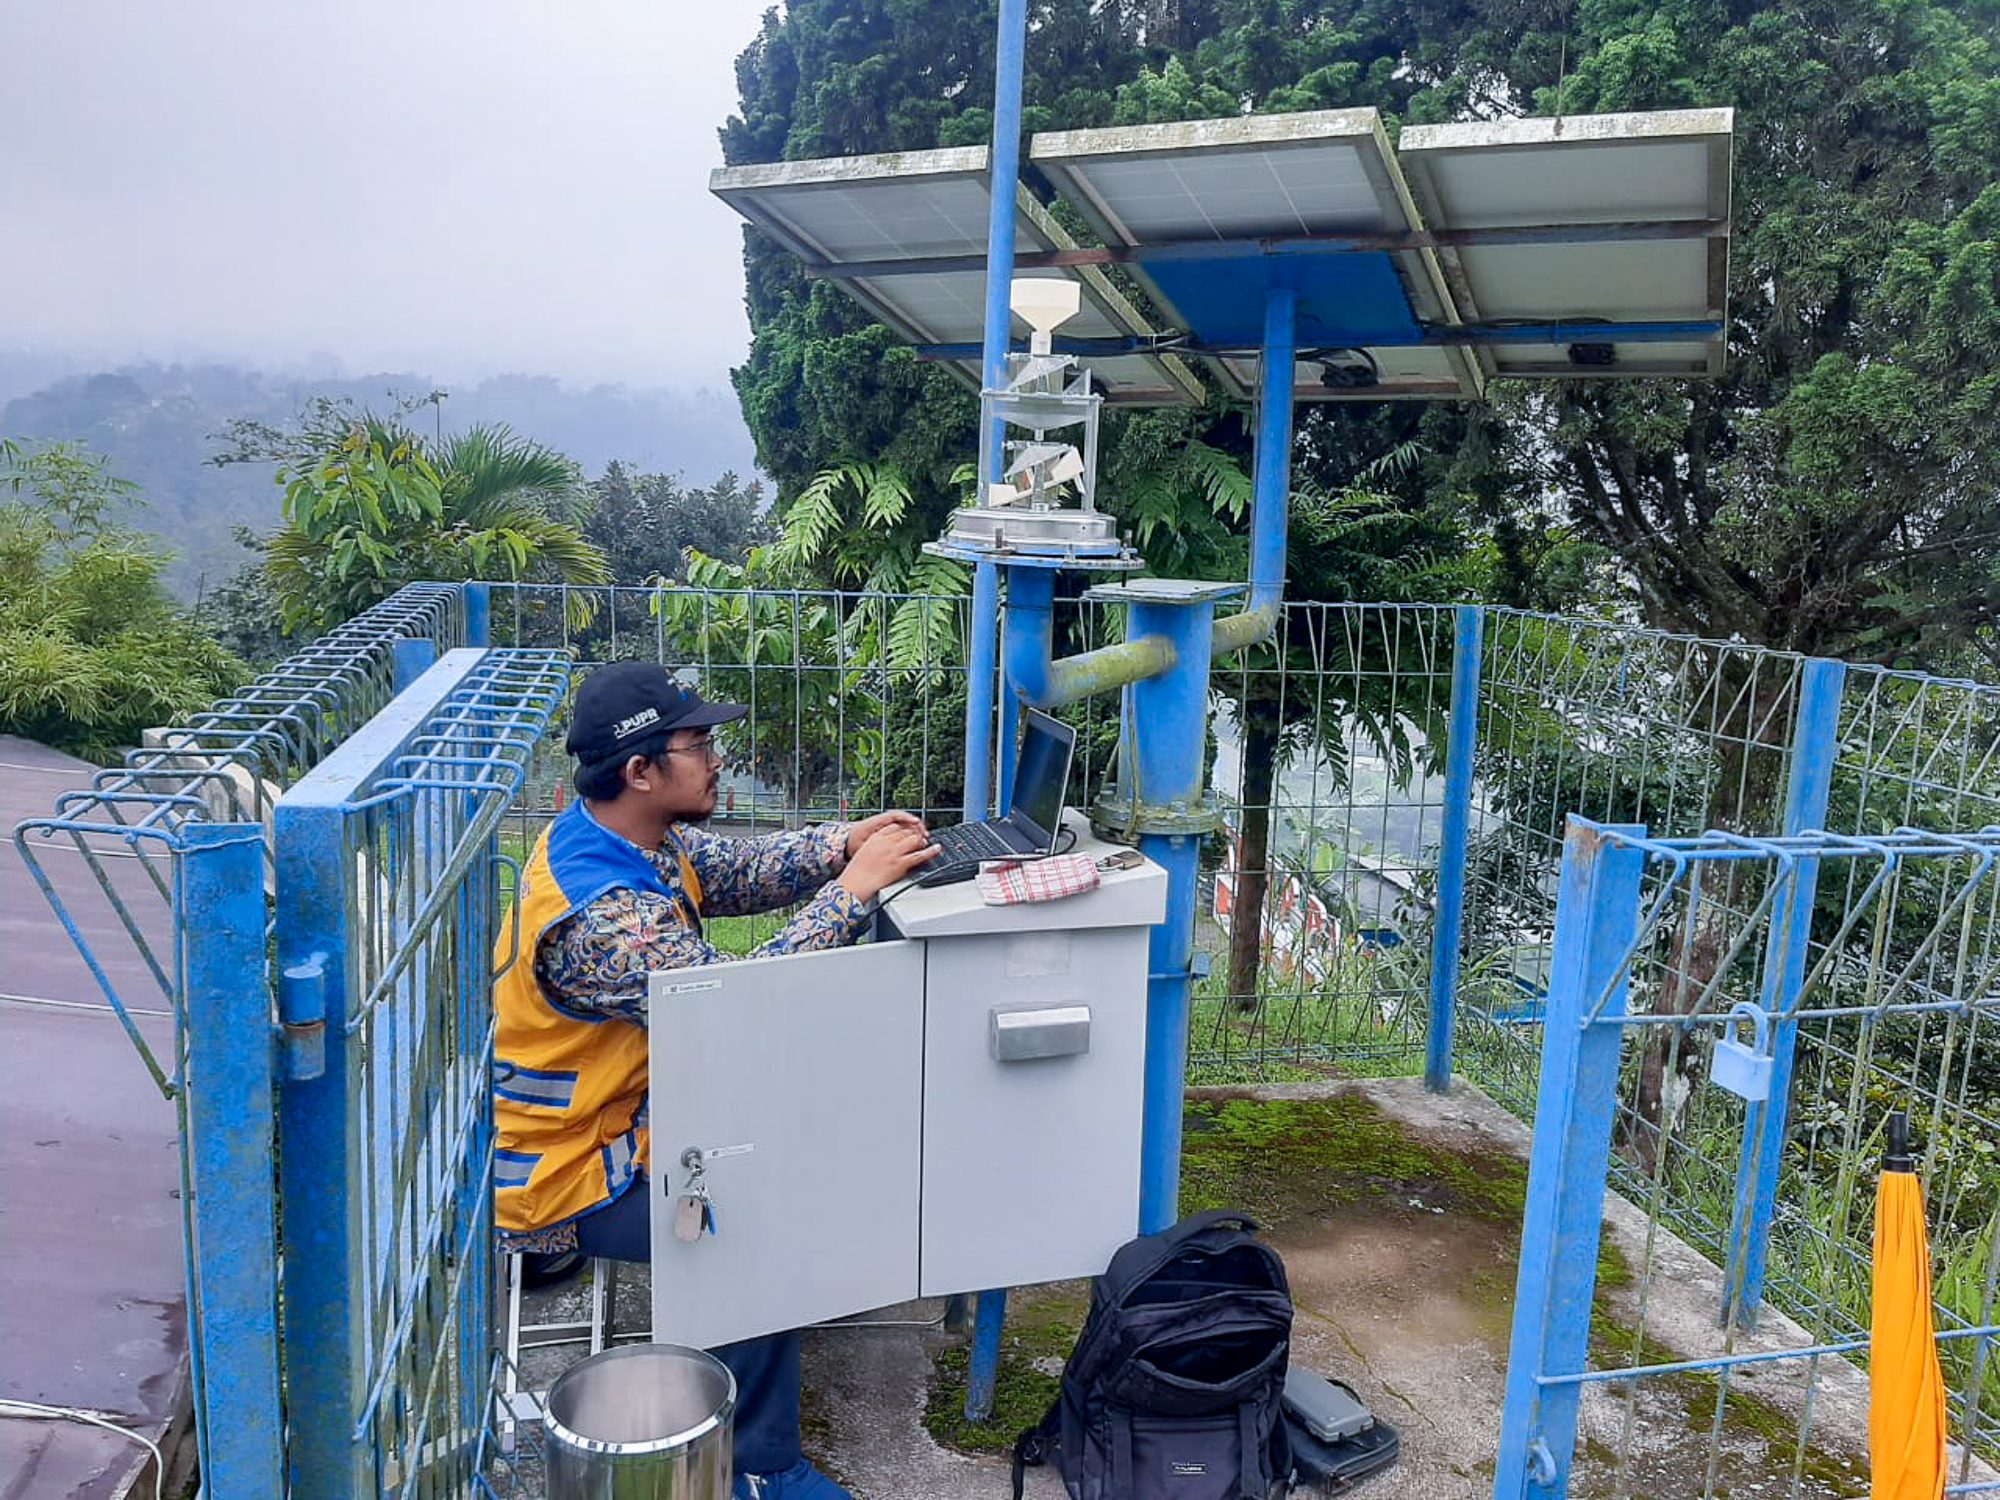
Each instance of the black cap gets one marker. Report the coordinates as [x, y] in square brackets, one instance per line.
[1897, 1157]
[621, 706]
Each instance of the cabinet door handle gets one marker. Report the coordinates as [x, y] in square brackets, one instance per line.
[1022, 1033]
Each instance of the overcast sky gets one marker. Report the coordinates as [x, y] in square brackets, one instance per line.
[455, 187]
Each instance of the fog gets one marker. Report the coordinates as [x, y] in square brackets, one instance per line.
[436, 185]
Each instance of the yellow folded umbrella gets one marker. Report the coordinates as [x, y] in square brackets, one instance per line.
[1906, 1415]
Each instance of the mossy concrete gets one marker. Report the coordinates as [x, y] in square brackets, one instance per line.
[1398, 1214]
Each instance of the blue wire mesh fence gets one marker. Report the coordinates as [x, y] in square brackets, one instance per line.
[1340, 749]
[165, 862]
[1685, 1297]
[388, 894]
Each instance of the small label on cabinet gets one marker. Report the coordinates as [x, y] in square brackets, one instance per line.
[1032, 955]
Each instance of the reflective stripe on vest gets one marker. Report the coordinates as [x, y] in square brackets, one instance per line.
[569, 1090]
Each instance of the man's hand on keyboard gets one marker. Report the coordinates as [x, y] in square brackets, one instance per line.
[892, 851]
[860, 833]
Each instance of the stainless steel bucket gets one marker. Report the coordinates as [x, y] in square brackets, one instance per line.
[641, 1422]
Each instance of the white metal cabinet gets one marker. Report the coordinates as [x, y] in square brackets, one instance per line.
[814, 1061]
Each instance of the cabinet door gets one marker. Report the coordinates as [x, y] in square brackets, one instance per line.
[805, 1074]
[1031, 1165]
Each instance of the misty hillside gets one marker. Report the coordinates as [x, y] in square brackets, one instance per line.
[159, 425]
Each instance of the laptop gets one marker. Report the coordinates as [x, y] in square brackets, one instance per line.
[1034, 807]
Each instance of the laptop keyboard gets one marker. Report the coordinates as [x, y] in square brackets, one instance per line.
[965, 843]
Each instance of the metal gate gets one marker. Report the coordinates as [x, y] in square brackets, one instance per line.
[387, 890]
[1730, 1022]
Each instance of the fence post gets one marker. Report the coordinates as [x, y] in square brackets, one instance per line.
[479, 614]
[1447, 938]
[1815, 746]
[230, 1106]
[1597, 916]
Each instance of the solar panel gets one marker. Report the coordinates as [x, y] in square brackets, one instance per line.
[1655, 185]
[889, 214]
[1239, 185]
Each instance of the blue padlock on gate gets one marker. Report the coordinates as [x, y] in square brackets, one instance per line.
[1745, 1070]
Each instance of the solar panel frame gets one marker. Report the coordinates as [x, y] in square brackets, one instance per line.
[914, 206]
[1666, 167]
[1267, 163]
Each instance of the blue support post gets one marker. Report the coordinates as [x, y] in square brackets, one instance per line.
[230, 1110]
[1173, 708]
[1010, 48]
[1815, 746]
[411, 658]
[478, 614]
[979, 688]
[1456, 836]
[1597, 917]
[321, 1124]
[1271, 481]
[1009, 60]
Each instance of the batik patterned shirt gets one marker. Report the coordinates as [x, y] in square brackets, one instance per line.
[597, 960]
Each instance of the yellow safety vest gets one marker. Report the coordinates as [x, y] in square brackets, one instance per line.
[569, 1088]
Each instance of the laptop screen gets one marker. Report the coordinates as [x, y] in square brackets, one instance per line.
[1041, 776]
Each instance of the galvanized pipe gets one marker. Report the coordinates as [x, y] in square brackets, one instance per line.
[1044, 683]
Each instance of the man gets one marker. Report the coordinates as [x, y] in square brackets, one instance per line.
[615, 890]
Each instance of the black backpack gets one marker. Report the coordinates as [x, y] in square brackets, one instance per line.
[1175, 1387]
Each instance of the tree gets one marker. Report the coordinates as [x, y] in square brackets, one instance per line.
[370, 506]
[92, 648]
[645, 523]
[243, 613]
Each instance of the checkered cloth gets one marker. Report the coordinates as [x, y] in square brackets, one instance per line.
[1008, 882]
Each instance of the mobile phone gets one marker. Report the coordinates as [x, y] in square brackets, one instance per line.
[1124, 859]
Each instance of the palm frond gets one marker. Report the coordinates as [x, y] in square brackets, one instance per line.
[493, 477]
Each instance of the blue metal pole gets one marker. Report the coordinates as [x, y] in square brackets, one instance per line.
[410, 658]
[1271, 477]
[1169, 720]
[1010, 47]
[1277, 382]
[979, 688]
[478, 614]
[1815, 747]
[1597, 915]
[1457, 834]
[1009, 61]
[230, 1107]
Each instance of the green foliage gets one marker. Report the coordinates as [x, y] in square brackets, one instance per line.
[92, 649]
[645, 523]
[370, 506]
[243, 614]
[801, 667]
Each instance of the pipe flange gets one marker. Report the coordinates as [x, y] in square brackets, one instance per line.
[1114, 812]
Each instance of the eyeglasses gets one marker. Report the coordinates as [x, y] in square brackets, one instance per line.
[704, 747]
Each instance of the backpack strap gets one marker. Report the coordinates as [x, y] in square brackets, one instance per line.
[1208, 1218]
[1031, 1448]
[1136, 1260]
[1124, 1476]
